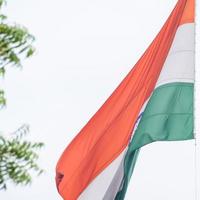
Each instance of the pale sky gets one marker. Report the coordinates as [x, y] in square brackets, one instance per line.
[84, 49]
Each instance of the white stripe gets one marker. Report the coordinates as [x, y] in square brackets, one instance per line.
[178, 67]
[179, 64]
[116, 181]
[98, 187]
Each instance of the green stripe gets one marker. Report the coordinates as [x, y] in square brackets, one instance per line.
[168, 116]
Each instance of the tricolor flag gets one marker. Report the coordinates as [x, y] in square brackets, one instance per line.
[154, 102]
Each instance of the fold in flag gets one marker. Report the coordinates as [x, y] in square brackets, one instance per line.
[153, 103]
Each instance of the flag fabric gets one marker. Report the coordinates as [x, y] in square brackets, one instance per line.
[154, 102]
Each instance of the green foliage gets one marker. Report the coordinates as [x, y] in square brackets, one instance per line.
[2, 99]
[18, 158]
[15, 42]
[2, 2]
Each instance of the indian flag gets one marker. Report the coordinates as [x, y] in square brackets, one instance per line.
[154, 102]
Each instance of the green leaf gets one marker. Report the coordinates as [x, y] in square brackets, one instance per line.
[3, 17]
[2, 71]
[30, 52]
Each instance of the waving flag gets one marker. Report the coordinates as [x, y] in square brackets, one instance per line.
[153, 103]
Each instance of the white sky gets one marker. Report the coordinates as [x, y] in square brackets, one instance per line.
[84, 49]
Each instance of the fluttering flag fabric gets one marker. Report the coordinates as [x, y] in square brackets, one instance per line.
[154, 102]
